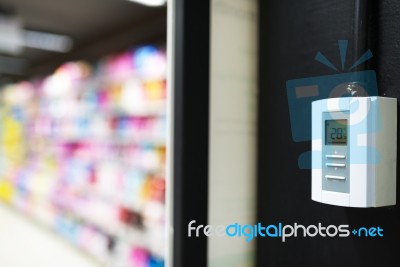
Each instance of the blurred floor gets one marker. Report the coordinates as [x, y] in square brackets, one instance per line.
[24, 244]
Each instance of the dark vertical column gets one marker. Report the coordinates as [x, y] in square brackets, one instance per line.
[191, 111]
[365, 31]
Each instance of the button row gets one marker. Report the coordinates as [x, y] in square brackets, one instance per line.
[335, 164]
[336, 156]
[335, 177]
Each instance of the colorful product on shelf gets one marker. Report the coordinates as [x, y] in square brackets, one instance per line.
[83, 152]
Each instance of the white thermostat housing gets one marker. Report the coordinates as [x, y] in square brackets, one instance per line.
[354, 141]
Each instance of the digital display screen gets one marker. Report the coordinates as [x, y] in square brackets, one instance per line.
[336, 132]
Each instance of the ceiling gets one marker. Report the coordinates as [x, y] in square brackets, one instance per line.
[97, 27]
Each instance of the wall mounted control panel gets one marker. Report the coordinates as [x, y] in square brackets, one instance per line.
[354, 142]
[335, 153]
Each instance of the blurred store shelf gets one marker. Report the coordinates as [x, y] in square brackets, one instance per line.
[83, 154]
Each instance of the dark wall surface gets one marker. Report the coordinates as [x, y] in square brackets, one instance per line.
[291, 33]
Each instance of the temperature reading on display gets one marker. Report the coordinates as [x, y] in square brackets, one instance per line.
[336, 132]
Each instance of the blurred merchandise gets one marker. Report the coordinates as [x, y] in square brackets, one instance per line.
[83, 152]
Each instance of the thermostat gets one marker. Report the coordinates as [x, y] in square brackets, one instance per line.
[354, 142]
